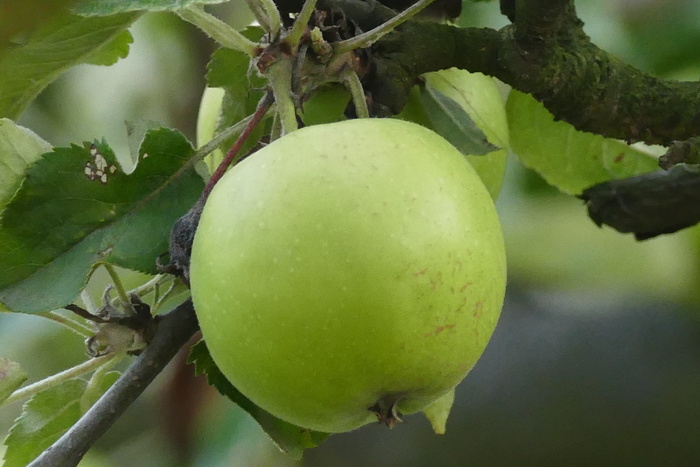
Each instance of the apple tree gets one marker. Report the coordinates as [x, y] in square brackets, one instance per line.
[574, 113]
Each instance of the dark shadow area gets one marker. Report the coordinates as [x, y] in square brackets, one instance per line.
[619, 386]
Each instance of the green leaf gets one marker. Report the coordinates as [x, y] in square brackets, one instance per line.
[98, 385]
[110, 7]
[45, 417]
[438, 411]
[289, 438]
[11, 377]
[69, 215]
[569, 159]
[136, 132]
[19, 149]
[58, 45]
[453, 123]
[326, 105]
[19, 17]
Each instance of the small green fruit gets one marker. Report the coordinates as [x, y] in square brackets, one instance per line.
[207, 121]
[346, 269]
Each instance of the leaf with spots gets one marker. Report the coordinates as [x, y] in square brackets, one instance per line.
[568, 159]
[76, 208]
[289, 438]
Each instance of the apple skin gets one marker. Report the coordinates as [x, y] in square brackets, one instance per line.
[348, 265]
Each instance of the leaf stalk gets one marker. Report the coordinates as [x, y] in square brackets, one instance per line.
[53, 380]
[370, 37]
[218, 30]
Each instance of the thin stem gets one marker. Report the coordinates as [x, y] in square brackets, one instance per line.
[218, 30]
[118, 284]
[274, 19]
[214, 143]
[354, 86]
[70, 373]
[370, 37]
[300, 24]
[73, 325]
[159, 299]
[219, 138]
[279, 75]
[276, 129]
[147, 287]
[156, 297]
[260, 112]
[260, 15]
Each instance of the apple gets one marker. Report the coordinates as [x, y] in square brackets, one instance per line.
[349, 271]
[207, 121]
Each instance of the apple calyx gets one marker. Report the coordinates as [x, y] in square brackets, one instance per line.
[386, 411]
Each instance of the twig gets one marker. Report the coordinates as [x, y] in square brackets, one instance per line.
[300, 24]
[260, 112]
[370, 37]
[80, 369]
[174, 330]
[149, 286]
[121, 291]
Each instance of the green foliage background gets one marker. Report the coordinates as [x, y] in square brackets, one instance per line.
[555, 252]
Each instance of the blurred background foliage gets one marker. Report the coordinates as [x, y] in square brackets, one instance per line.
[596, 359]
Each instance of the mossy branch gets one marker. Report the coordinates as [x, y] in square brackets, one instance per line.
[544, 53]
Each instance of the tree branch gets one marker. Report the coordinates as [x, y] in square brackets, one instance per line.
[174, 330]
[648, 205]
[544, 53]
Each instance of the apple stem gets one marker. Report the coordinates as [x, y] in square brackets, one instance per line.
[256, 118]
[354, 86]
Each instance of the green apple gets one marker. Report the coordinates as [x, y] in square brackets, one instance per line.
[348, 271]
[207, 121]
